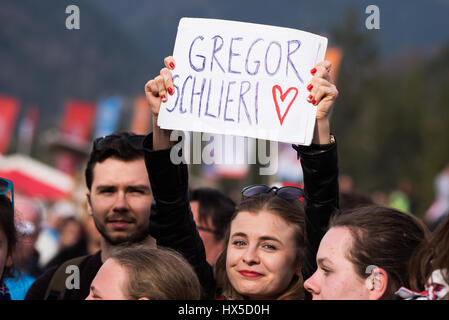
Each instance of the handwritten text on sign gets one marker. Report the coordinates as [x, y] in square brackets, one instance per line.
[243, 79]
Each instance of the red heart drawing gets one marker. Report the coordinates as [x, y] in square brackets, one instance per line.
[283, 96]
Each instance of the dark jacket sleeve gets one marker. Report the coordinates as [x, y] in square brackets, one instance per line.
[40, 285]
[320, 172]
[171, 221]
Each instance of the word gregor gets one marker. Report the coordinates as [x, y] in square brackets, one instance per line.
[238, 98]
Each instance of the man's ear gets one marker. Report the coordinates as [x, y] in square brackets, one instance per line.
[89, 203]
[377, 283]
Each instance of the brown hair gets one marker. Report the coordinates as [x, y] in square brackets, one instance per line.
[157, 274]
[429, 256]
[7, 226]
[383, 237]
[292, 212]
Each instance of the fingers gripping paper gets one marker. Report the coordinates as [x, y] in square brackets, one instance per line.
[243, 79]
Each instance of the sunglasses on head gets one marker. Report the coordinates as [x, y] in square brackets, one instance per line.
[287, 193]
[7, 186]
[135, 140]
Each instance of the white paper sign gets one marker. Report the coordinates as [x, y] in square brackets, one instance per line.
[243, 79]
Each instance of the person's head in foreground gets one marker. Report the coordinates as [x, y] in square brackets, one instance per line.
[264, 253]
[365, 254]
[429, 266]
[139, 273]
[8, 240]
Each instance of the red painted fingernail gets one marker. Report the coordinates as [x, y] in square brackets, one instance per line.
[314, 102]
[313, 71]
[310, 97]
[164, 98]
[172, 65]
[170, 90]
[309, 87]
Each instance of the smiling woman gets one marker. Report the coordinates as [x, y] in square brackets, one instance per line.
[264, 250]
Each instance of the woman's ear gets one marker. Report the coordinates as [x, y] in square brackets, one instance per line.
[377, 283]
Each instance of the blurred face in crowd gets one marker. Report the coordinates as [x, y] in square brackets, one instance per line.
[28, 226]
[261, 255]
[212, 245]
[5, 258]
[120, 200]
[109, 283]
[336, 278]
[70, 232]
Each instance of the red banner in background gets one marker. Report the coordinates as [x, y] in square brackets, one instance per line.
[78, 121]
[9, 109]
[27, 129]
[141, 120]
[76, 129]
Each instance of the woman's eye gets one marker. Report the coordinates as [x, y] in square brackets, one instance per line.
[325, 270]
[269, 246]
[238, 243]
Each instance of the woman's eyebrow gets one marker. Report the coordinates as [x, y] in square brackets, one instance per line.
[264, 238]
[320, 261]
[239, 234]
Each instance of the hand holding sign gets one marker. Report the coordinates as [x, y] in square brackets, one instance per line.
[243, 79]
[156, 92]
[322, 94]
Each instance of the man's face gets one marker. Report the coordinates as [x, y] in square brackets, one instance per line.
[120, 200]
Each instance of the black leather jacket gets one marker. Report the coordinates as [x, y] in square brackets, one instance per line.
[171, 220]
[320, 172]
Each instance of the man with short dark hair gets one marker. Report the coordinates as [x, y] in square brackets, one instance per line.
[121, 174]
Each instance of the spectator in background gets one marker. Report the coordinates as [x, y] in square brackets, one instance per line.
[70, 232]
[440, 207]
[28, 220]
[212, 211]
[353, 199]
[380, 198]
[8, 240]
[29, 226]
[88, 243]
[48, 241]
[139, 273]
[345, 183]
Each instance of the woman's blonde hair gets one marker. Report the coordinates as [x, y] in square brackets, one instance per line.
[157, 274]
